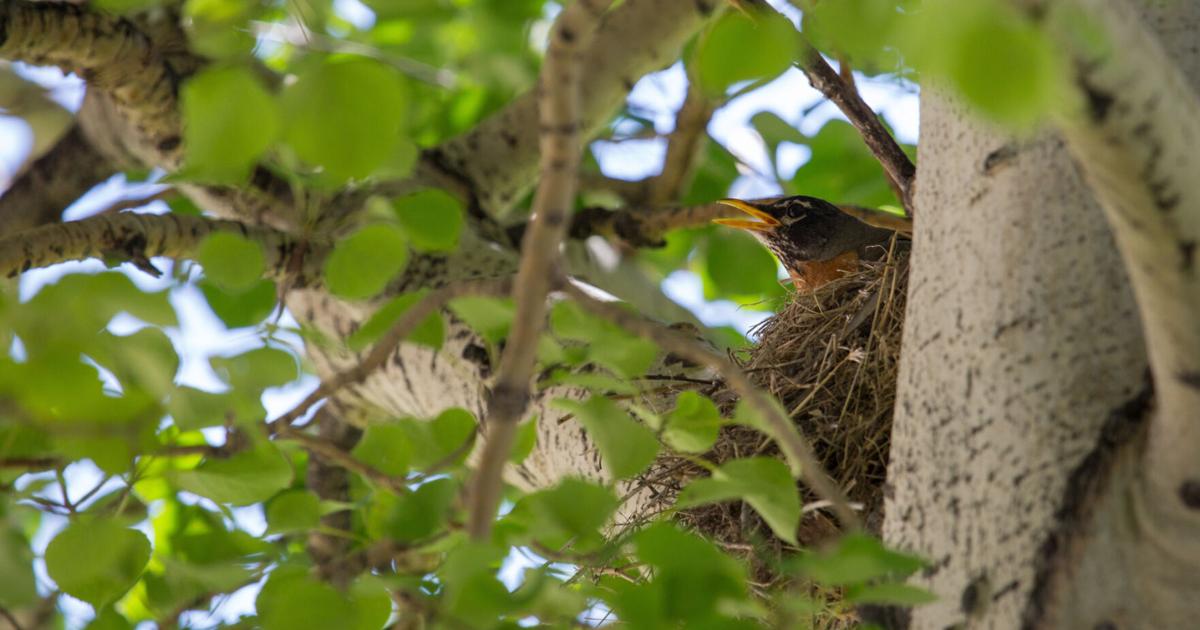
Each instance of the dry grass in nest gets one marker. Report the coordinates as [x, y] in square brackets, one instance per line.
[831, 357]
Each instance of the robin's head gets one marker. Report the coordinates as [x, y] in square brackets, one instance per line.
[795, 229]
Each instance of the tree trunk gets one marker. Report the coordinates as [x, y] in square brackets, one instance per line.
[1023, 402]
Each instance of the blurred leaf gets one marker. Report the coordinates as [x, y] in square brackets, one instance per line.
[857, 559]
[293, 510]
[257, 369]
[842, 169]
[738, 265]
[97, 560]
[525, 441]
[291, 600]
[362, 264]
[435, 440]
[693, 577]
[232, 261]
[490, 317]
[693, 425]
[345, 115]
[229, 121]
[193, 409]
[386, 447]
[219, 29]
[741, 48]
[764, 483]
[432, 218]
[626, 446]
[775, 131]
[248, 307]
[108, 619]
[430, 332]
[996, 57]
[889, 595]
[415, 516]
[573, 509]
[241, 479]
[864, 30]
[17, 586]
[607, 344]
[121, 7]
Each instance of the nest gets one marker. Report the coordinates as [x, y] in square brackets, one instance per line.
[831, 357]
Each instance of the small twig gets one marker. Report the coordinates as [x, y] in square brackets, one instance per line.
[8, 616]
[559, 120]
[386, 346]
[798, 451]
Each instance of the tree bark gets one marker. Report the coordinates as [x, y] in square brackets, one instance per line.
[1018, 454]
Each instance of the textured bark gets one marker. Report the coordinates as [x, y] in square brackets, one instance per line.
[1018, 465]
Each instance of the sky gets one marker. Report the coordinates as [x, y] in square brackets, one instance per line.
[657, 97]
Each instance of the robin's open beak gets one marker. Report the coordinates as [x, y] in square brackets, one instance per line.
[765, 222]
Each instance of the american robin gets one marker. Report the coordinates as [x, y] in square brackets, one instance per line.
[816, 241]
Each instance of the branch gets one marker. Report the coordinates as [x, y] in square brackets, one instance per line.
[560, 123]
[52, 182]
[685, 141]
[386, 346]
[797, 450]
[497, 159]
[899, 169]
[343, 459]
[111, 54]
[139, 237]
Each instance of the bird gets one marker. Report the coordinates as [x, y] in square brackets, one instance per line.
[816, 241]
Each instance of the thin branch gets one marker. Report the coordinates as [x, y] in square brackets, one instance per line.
[560, 121]
[691, 124]
[797, 450]
[899, 169]
[139, 237]
[386, 346]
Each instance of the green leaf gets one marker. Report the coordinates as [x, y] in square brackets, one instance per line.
[122, 7]
[293, 510]
[889, 594]
[435, 440]
[626, 446]
[863, 30]
[193, 409]
[741, 48]
[108, 619]
[244, 478]
[362, 264]
[999, 60]
[842, 168]
[692, 578]
[607, 344]
[574, 508]
[763, 482]
[97, 560]
[738, 265]
[415, 516]
[257, 369]
[430, 332]
[244, 308]
[775, 131]
[490, 317]
[693, 425]
[291, 600]
[386, 447]
[232, 261]
[17, 586]
[858, 559]
[229, 120]
[345, 115]
[525, 441]
[432, 218]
